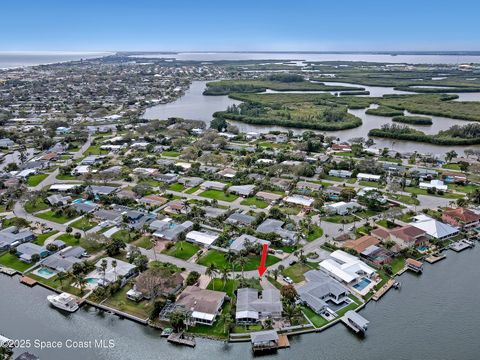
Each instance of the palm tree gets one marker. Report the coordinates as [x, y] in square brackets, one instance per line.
[60, 277]
[114, 266]
[103, 267]
[81, 282]
[227, 322]
[225, 273]
[210, 272]
[242, 261]
[230, 256]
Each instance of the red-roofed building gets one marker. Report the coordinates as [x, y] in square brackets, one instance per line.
[405, 236]
[461, 217]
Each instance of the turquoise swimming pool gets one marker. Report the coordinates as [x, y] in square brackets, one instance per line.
[362, 284]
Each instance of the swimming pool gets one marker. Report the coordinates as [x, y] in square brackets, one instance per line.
[45, 273]
[80, 201]
[362, 284]
[423, 248]
[92, 281]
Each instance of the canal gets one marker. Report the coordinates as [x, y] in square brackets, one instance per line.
[434, 316]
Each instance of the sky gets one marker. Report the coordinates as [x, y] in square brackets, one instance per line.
[222, 25]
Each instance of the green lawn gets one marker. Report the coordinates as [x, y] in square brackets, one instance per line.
[315, 233]
[217, 330]
[374, 184]
[124, 235]
[404, 199]
[67, 177]
[218, 195]
[364, 214]
[176, 187]
[254, 201]
[119, 301]
[218, 259]
[83, 224]
[192, 190]
[171, 153]
[11, 261]
[228, 286]
[68, 239]
[337, 219]
[34, 180]
[290, 209]
[451, 166]
[40, 240]
[95, 150]
[351, 306]
[463, 188]
[397, 264]
[418, 191]
[51, 216]
[144, 242]
[296, 271]
[35, 205]
[183, 250]
[339, 179]
[316, 319]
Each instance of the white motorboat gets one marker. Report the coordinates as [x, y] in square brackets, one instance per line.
[63, 301]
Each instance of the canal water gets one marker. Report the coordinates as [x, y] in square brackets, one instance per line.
[195, 105]
[434, 316]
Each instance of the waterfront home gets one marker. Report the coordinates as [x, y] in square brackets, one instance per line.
[342, 207]
[434, 228]
[12, 236]
[276, 226]
[254, 306]
[461, 217]
[241, 242]
[320, 290]
[163, 286]
[240, 219]
[242, 190]
[376, 255]
[340, 173]
[346, 268]
[203, 306]
[201, 238]
[434, 184]
[26, 251]
[112, 273]
[300, 200]
[60, 263]
[360, 244]
[407, 236]
[368, 177]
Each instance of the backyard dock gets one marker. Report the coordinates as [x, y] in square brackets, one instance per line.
[383, 290]
[432, 259]
[181, 339]
[28, 281]
[355, 322]
[460, 245]
[283, 342]
[8, 271]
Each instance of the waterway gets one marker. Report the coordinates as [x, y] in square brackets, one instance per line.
[434, 316]
[195, 105]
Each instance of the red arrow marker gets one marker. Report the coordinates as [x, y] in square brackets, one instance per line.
[262, 268]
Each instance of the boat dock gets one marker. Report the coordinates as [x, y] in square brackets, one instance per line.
[283, 342]
[8, 271]
[28, 281]
[414, 265]
[268, 341]
[383, 290]
[432, 259]
[461, 245]
[355, 321]
[182, 339]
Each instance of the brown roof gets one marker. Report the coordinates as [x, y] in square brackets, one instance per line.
[50, 156]
[196, 299]
[360, 244]
[381, 233]
[462, 214]
[413, 262]
[407, 233]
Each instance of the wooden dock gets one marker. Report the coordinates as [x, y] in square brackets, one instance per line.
[28, 281]
[283, 342]
[8, 271]
[383, 290]
[182, 339]
[432, 259]
[460, 246]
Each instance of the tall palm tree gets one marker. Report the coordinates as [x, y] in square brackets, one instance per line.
[61, 276]
[242, 261]
[210, 272]
[81, 282]
[103, 267]
[225, 273]
[114, 266]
